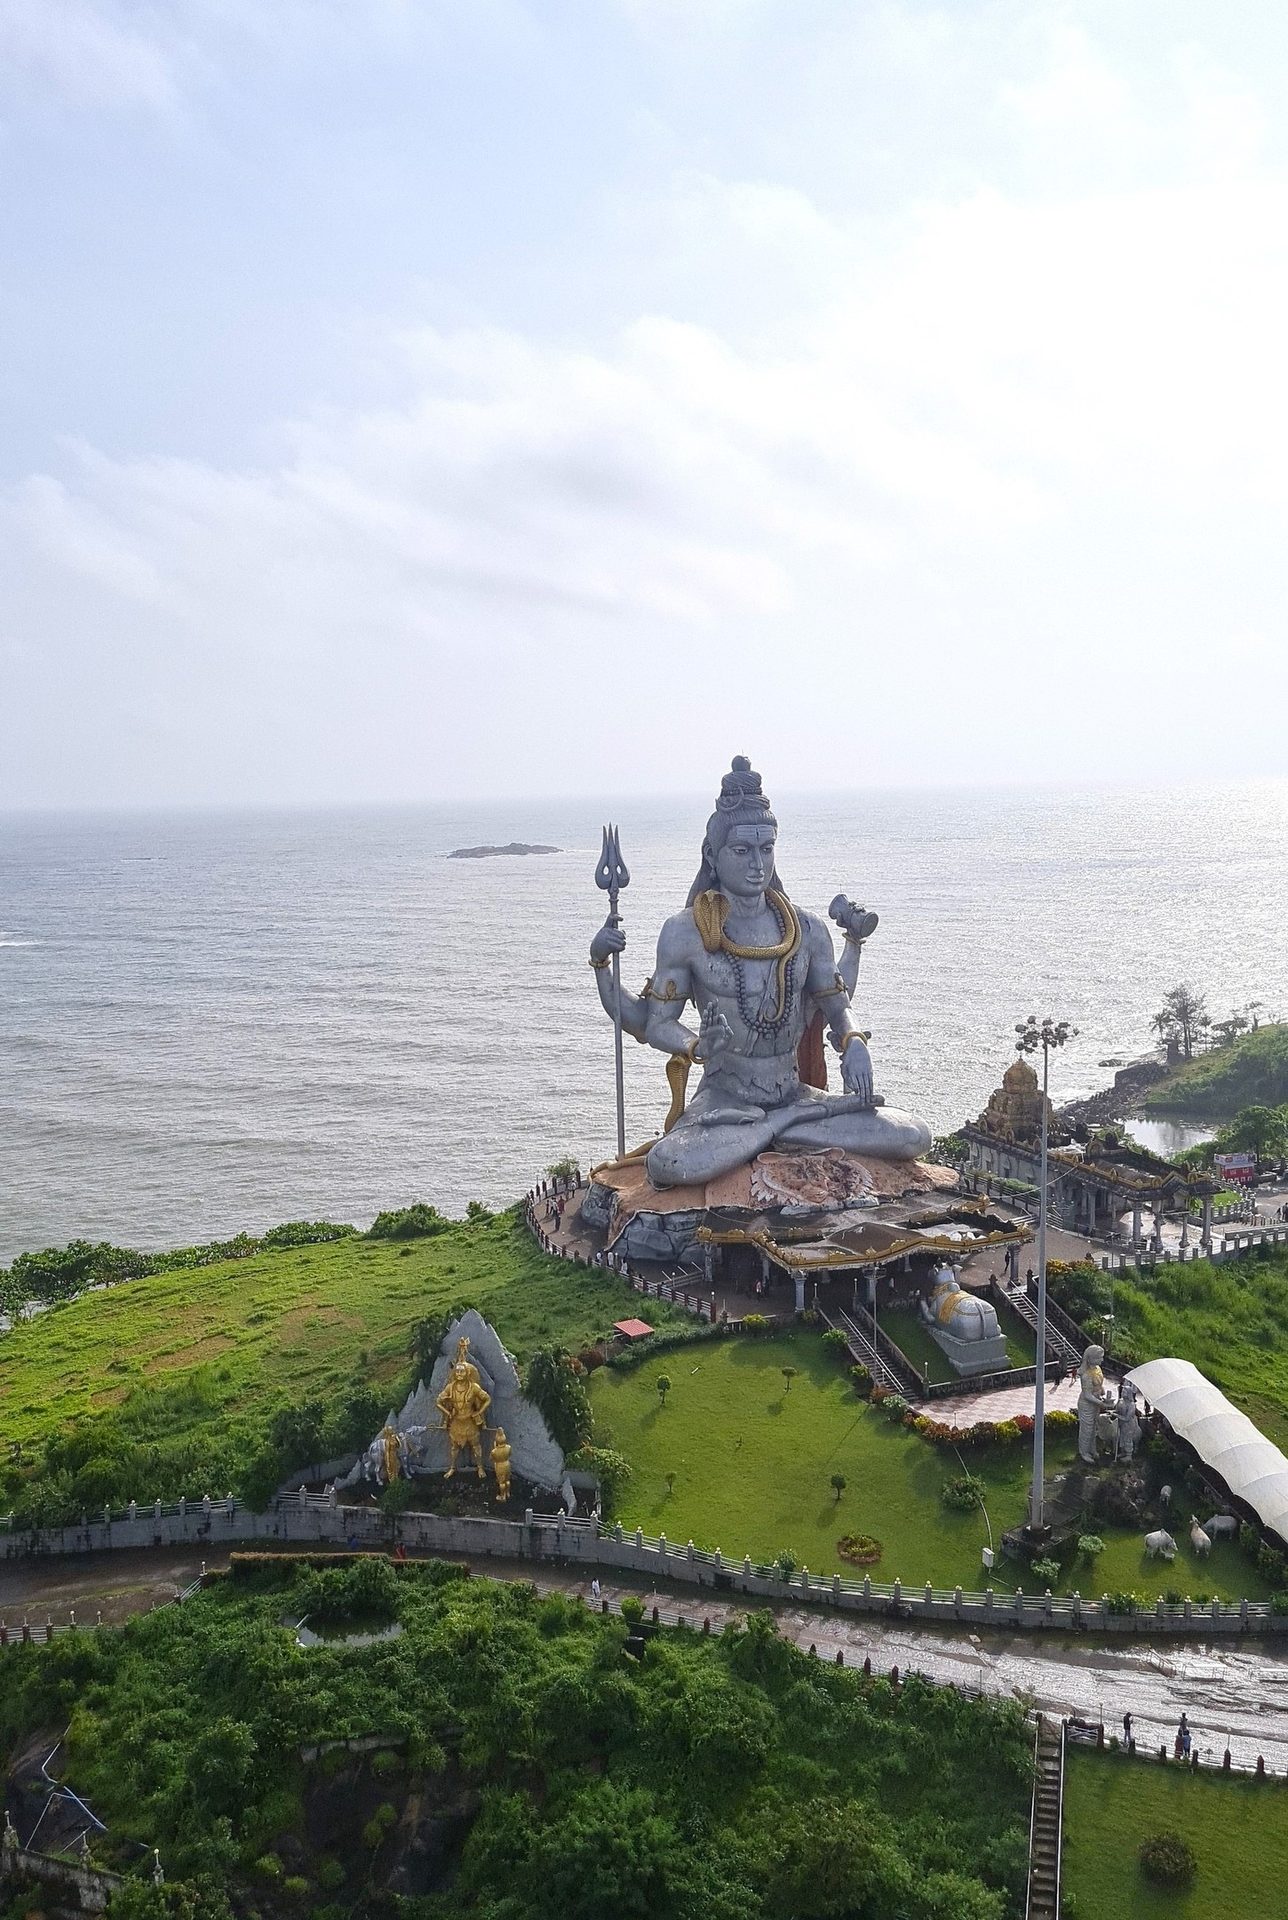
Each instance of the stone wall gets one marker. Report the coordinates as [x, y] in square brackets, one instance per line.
[315, 1521]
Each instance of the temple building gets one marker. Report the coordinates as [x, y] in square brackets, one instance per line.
[1094, 1183]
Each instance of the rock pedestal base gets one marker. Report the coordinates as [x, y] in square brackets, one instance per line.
[970, 1357]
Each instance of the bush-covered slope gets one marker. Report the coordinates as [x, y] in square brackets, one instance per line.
[548, 1772]
[1251, 1073]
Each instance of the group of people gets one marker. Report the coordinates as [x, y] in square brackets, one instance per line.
[1182, 1745]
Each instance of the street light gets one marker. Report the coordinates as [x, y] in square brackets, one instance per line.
[1030, 1035]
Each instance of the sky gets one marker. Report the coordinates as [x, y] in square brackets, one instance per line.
[416, 399]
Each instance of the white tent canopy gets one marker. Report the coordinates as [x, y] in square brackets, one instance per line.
[1225, 1440]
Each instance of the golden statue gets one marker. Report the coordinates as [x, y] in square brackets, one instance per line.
[463, 1403]
[390, 1454]
[501, 1451]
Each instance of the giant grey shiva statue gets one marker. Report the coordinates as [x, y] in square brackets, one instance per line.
[764, 978]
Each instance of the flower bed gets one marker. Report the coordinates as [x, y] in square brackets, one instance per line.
[859, 1549]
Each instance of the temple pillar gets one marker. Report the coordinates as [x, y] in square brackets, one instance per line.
[1207, 1223]
[798, 1280]
[1135, 1223]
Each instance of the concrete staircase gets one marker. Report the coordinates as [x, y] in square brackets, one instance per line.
[1057, 1341]
[1043, 1901]
[863, 1349]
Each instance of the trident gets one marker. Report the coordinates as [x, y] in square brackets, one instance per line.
[612, 875]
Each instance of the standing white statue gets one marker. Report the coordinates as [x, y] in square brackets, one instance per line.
[764, 978]
[1092, 1401]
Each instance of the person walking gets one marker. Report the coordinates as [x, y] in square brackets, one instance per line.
[1128, 1742]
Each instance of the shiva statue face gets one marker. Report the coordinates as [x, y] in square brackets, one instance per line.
[745, 863]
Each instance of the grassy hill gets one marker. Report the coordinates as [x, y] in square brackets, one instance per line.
[176, 1374]
[1251, 1073]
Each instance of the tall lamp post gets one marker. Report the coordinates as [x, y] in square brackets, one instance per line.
[1030, 1035]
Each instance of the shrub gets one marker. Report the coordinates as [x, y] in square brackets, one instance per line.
[1007, 1430]
[379, 1825]
[1047, 1571]
[835, 1342]
[755, 1323]
[963, 1492]
[894, 1406]
[1122, 1602]
[1271, 1563]
[330, 1874]
[632, 1610]
[416, 1222]
[384, 1762]
[398, 1496]
[296, 1885]
[1168, 1860]
[862, 1378]
[1279, 1604]
[269, 1867]
[1090, 1544]
[784, 1564]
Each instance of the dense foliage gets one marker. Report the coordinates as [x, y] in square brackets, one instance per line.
[555, 1382]
[60, 1273]
[546, 1768]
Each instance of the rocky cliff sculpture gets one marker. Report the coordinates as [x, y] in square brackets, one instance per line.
[439, 1418]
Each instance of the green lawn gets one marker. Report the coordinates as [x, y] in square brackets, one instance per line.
[909, 1332]
[753, 1462]
[1237, 1828]
[224, 1344]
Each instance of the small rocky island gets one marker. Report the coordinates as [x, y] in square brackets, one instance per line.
[492, 853]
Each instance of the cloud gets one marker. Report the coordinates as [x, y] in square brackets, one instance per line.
[913, 478]
[90, 54]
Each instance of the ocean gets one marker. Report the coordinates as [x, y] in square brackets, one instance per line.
[217, 1021]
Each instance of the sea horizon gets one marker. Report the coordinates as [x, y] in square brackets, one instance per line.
[213, 1019]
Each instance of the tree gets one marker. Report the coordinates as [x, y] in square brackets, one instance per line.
[1259, 1130]
[839, 1484]
[554, 1382]
[789, 1374]
[663, 1386]
[1182, 1017]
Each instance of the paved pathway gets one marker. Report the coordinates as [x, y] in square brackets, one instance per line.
[1002, 1403]
[1235, 1695]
